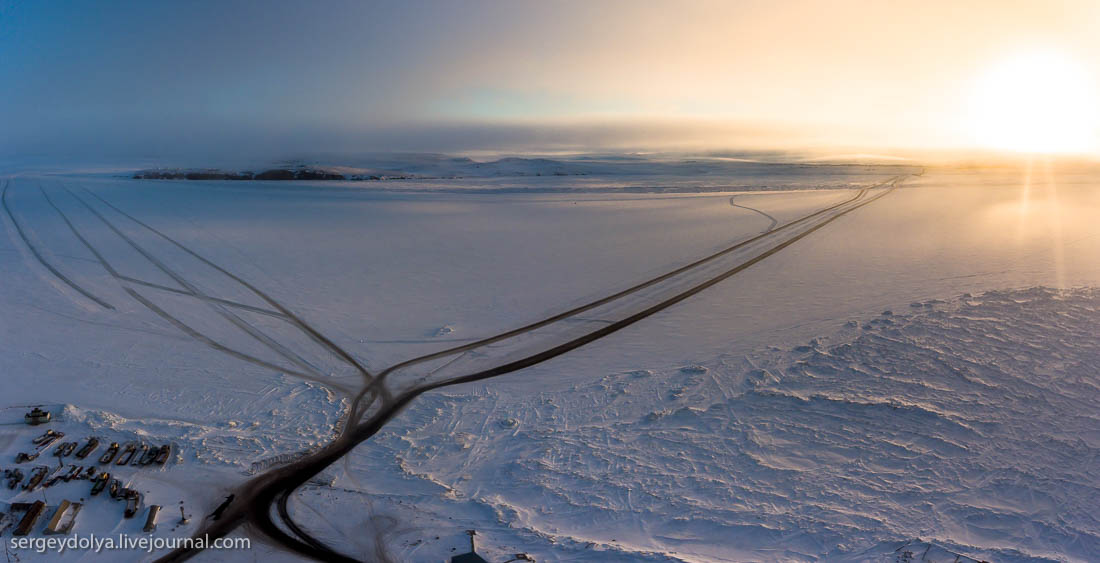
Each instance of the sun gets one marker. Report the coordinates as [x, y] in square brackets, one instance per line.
[1035, 102]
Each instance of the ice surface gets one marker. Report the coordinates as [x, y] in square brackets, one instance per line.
[779, 415]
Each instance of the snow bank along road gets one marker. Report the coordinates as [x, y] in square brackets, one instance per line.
[143, 261]
[388, 392]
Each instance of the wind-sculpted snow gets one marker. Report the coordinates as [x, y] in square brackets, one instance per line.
[973, 424]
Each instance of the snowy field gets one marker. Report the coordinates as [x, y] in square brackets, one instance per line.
[918, 373]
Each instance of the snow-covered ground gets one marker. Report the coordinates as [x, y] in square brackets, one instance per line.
[780, 415]
[972, 423]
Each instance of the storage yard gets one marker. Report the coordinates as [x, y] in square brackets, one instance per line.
[60, 473]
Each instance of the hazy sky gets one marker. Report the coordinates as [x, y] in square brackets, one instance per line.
[158, 77]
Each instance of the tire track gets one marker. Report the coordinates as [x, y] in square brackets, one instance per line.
[226, 302]
[117, 275]
[237, 321]
[753, 209]
[38, 255]
[185, 328]
[378, 382]
[302, 325]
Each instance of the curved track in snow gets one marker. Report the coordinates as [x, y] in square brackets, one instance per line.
[755, 210]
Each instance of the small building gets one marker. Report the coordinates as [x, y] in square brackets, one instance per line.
[37, 416]
[472, 556]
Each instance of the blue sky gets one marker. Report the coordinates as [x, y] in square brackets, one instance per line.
[160, 77]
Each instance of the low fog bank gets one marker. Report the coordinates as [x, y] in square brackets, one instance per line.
[436, 149]
[236, 143]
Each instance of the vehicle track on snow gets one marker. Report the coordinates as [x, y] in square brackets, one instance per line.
[768, 217]
[118, 276]
[232, 318]
[182, 326]
[294, 319]
[99, 258]
[255, 499]
[42, 260]
[219, 300]
[608, 299]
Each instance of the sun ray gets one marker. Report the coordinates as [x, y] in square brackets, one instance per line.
[1054, 218]
[1025, 201]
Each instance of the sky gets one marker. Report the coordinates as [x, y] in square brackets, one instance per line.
[141, 78]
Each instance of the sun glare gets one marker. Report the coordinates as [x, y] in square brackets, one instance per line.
[1038, 102]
